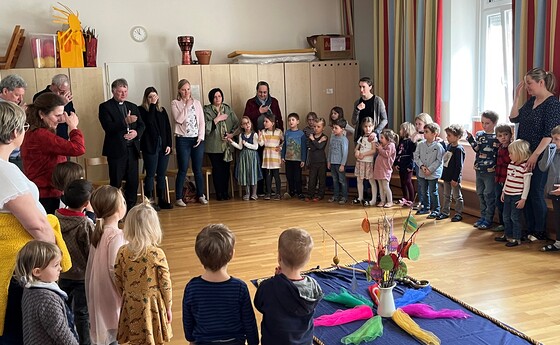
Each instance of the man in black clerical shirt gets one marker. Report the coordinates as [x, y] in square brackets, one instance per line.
[123, 128]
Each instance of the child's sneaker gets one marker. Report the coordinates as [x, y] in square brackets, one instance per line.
[502, 238]
[484, 225]
[301, 197]
[357, 201]
[254, 197]
[286, 196]
[267, 197]
[478, 222]
[499, 228]
[277, 197]
[418, 206]
[316, 199]
[381, 204]
[433, 215]
[513, 243]
[333, 199]
[389, 205]
[246, 197]
[342, 201]
[532, 238]
[422, 211]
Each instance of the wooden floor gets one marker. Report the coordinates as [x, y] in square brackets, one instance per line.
[519, 286]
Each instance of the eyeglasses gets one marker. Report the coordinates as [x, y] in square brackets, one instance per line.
[26, 127]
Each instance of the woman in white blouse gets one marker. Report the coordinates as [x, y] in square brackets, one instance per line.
[189, 140]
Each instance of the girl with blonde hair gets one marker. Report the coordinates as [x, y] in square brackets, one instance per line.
[142, 279]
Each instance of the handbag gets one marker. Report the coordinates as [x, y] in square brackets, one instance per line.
[189, 192]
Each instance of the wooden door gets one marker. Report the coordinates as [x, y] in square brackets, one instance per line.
[243, 81]
[216, 76]
[298, 90]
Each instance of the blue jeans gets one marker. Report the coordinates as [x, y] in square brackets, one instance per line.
[77, 302]
[486, 191]
[535, 207]
[156, 166]
[185, 151]
[512, 217]
[339, 182]
[428, 193]
[499, 203]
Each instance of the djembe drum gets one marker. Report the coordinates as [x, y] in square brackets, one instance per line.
[186, 44]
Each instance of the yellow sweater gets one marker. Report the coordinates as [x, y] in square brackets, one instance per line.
[12, 238]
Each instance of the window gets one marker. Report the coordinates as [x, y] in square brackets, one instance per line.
[496, 60]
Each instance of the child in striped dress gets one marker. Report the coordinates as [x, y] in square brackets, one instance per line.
[271, 138]
[248, 171]
[516, 189]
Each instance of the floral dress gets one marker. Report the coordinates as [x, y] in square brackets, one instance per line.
[145, 285]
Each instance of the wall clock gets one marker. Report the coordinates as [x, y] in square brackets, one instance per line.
[138, 33]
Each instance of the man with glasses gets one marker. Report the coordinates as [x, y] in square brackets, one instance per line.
[60, 85]
[12, 89]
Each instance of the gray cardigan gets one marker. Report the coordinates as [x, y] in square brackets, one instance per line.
[550, 161]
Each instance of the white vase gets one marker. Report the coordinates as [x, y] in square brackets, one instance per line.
[386, 306]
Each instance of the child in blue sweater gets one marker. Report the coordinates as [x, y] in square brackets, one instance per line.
[216, 306]
[294, 154]
[485, 144]
[429, 158]
[336, 163]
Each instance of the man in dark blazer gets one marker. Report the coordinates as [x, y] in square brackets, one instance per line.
[60, 84]
[123, 128]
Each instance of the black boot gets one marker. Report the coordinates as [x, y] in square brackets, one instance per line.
[163, 204]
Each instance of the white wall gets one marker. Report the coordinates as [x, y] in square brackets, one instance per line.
[220, 25]
[460, 62]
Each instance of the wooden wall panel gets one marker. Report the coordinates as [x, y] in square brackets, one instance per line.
[43, 76]
[322, 87]
[216, 76]
[298, 90]
[243, 81]
[193, 73]
[28, 74]
[87, 90]
[273, 74]
[347, 75]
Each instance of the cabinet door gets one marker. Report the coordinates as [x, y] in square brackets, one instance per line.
[322, 87]
[243, 82]
[43, 76]
[28, 74]
[87, 93]
[273, 74]
[216, 76]
[347, 75]
[193, 73]
[298, 90]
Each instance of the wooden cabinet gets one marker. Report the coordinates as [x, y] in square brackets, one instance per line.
[87, 91]
[300, 87]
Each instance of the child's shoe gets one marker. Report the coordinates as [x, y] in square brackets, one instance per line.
[381, 204]
[342, 201]
[443, 216]
[357, 201]
[333, 199]
[254, 197]
[246, 197]
[267, 197]
[301, 197]
[418, 206]
[389, 205]
[457, 218]
[286, 196]
[499, 228]
[502, 238]
[277, 197]
[513, 243]
[478, 222]
[433, 215]
[316, 199]
[422, 211]
[485, 225]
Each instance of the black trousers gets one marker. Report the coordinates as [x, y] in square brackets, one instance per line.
[293, 175]
[125, 168]
[220, 175]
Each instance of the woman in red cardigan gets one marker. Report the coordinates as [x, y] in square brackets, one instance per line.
[42, 149]
[255, 109]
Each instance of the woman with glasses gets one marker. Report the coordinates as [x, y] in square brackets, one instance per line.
[22, 218]
[43, 149]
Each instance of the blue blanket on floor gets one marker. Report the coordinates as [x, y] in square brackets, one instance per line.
[478, 329]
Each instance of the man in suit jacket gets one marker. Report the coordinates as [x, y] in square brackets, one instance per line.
[123, 128]
[60, 84]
